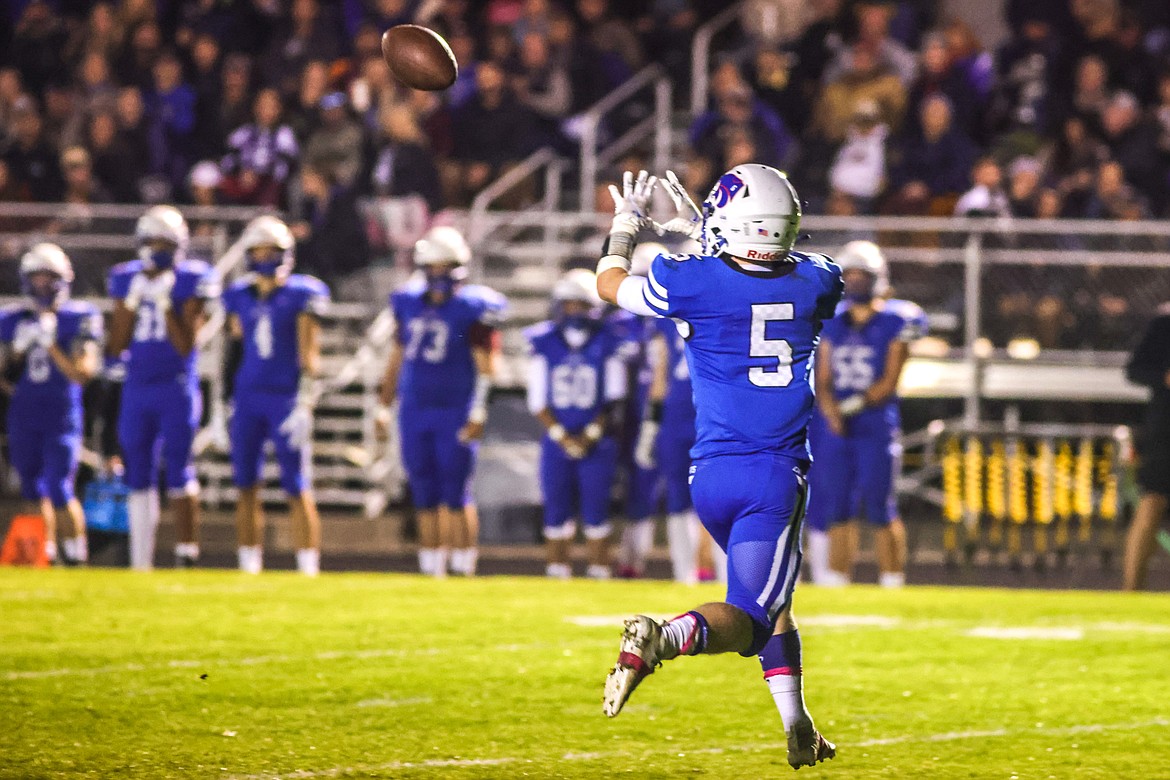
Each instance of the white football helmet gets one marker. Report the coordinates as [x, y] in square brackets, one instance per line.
[166, 223]
[753, 213]
[268, 230]
[443, 244]
[578, 285]
[866, 256]
[644, 255]
[51, 259]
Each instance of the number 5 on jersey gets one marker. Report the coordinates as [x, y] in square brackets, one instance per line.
[764, 347]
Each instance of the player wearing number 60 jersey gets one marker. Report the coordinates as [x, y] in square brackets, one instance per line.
[440, 371]
[855, 433]
[751, 310]
[274, 318]
[159, 302]
[54, 342]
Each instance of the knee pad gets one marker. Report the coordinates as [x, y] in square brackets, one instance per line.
[761, 633]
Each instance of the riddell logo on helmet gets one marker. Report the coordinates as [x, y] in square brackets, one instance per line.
[754, 255]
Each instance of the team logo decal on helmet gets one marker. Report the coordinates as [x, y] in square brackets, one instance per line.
[726, 188]
[753, 213]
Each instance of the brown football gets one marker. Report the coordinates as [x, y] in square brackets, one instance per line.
[419, 57]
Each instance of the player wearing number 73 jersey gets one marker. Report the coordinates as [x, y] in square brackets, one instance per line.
[159, 302]
[274, 318]
[751, 309]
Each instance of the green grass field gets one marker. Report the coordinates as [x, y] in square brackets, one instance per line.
[215, 674]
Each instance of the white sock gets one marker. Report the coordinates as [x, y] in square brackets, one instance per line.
[51, 550]
[816, 552]
[77, 549]
[464, 561]
[637, 541]
[682, 534]
[892, 579]
[309, 562]
[439, 569]
[560, 571]
[426, 560]
[251, 558]
[143, 524]
[598, 571]
[720, 559]
[835, 579]
[788, 693]
[187, 550]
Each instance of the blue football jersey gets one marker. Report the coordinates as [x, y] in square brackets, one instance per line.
[859, 356]
[580, 380]
[42, 388]
[678, 408]
[151, 357]
[751, 338]
[271, 361]
[438, 369]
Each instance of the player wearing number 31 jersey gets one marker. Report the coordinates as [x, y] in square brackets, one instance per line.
[159, 303]
[751, 310]
[274, 316]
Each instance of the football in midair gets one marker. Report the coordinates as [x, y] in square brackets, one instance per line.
[419, 57]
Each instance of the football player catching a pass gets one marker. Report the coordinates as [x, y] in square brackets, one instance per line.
[56, 343]
[273, 317]
[159, 302]
[751, 309]
[440, 371]
[855, 431]
[576, 375]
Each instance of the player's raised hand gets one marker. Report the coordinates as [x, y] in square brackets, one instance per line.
[46, 329]
[631, 204]
[688, 220]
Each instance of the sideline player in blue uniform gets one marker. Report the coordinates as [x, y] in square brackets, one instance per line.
[159, 302]
[274, 318]
[56, 343]
[856, 430]
[440, 370]
[751, 309]
[576, 374]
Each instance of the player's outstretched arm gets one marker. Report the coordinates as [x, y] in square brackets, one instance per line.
[631, 207]
[309, 345]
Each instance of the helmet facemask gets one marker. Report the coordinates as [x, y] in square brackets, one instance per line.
[158, 254]
[46, 289]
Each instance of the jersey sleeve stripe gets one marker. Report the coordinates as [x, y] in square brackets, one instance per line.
[658, 288]
[654, 302]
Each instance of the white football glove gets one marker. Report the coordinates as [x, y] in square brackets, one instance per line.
[644, 450]
[137, 291]
[298, 426]
[631, 206]
[852, 405]
[688, 220]
[46, 332]
[159, 289]
[25, 337]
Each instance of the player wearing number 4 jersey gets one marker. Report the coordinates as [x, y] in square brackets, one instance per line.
[274, 321]
[576, 373]
[855, 432]
[440, 371]
[54, 343]
[751, 309]
[159, 302]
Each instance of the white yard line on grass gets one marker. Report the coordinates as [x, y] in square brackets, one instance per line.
[262, 660]
[951, 736]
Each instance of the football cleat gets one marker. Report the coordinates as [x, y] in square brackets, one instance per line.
[640, 653]
[806, 746]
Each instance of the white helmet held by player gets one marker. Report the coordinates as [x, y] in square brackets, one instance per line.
[161, 224]
[50, 261]
[753, 213]
[864, 256]
[272, 233]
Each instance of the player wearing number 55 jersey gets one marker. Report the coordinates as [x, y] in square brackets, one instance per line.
[751, 309]
[159, 302]
[440, 370]
[273, 318]
[856, 429]
[577, 371]
[55, 342]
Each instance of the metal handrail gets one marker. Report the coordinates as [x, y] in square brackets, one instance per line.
[701, 56]
[591, 123]
[129, 211]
